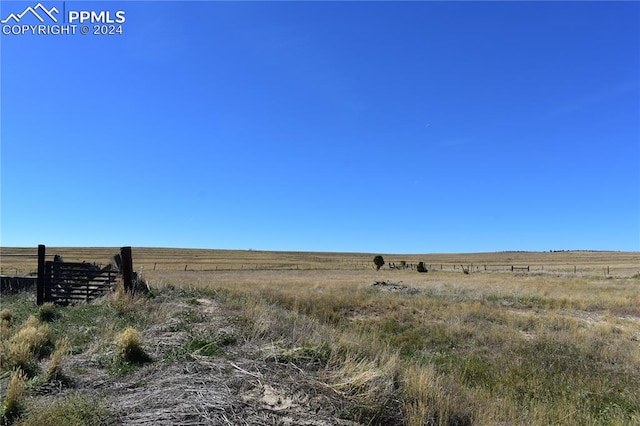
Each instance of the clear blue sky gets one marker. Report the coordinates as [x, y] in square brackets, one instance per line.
[410, 127]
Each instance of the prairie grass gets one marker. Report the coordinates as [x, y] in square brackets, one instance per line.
[24, 347]
[130, 349]
[40, 349]
[47, 312]
[465, 349]
[13, 403]
[550, 347]
[6, 316]
[74, 409]
[54, 369]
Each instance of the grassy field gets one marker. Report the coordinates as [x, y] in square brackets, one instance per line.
[20, 261]
[547, 346]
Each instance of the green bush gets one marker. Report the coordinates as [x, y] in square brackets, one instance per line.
[378, 261]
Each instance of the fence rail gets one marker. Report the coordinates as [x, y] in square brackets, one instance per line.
[66, 282]
[16, 284]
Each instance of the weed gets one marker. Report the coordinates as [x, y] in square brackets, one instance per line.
[202, 345]
[226, 339]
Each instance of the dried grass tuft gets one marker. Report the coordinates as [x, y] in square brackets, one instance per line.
[130, 349]
[54, 370]
[14, 401]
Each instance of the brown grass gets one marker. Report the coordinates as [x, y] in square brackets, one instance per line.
[587, 263]
[544, 347]
[482, 348]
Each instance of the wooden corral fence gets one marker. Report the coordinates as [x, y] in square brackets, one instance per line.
[67, 282]
[16, 284]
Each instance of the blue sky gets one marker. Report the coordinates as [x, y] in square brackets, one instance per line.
[391, 127]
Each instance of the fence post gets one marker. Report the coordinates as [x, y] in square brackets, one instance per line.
[127, 268]
[40, 282]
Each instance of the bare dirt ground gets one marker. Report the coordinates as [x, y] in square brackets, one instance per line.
[243, 386]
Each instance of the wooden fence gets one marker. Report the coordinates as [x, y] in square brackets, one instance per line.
[67, 282]
[16, 284]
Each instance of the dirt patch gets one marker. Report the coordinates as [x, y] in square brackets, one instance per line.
[395, 287]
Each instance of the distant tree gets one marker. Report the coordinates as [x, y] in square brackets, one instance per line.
[421, 267]
[379, 261]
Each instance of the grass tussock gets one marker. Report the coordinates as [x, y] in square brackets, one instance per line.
[6, 317]
[130, 349]
[13, 404]
[75, 409]
[26, 346]
[47, 312]
[425, 398]
[55, 366]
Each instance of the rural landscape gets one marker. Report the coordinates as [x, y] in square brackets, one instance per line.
[235, 337]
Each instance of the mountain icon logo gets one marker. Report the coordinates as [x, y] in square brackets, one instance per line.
[38, 11]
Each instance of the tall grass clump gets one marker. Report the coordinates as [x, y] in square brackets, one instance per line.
[47, 312]
[129, 345]
[7, 316]
[30, 343]
[54, 369]
[75, 409]
[6, 323]
[13, 404]
[370, 384]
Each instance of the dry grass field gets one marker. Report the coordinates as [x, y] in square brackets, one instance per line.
[324, 338]
[20, 261]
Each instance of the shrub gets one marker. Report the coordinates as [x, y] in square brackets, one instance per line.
[378, 261]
